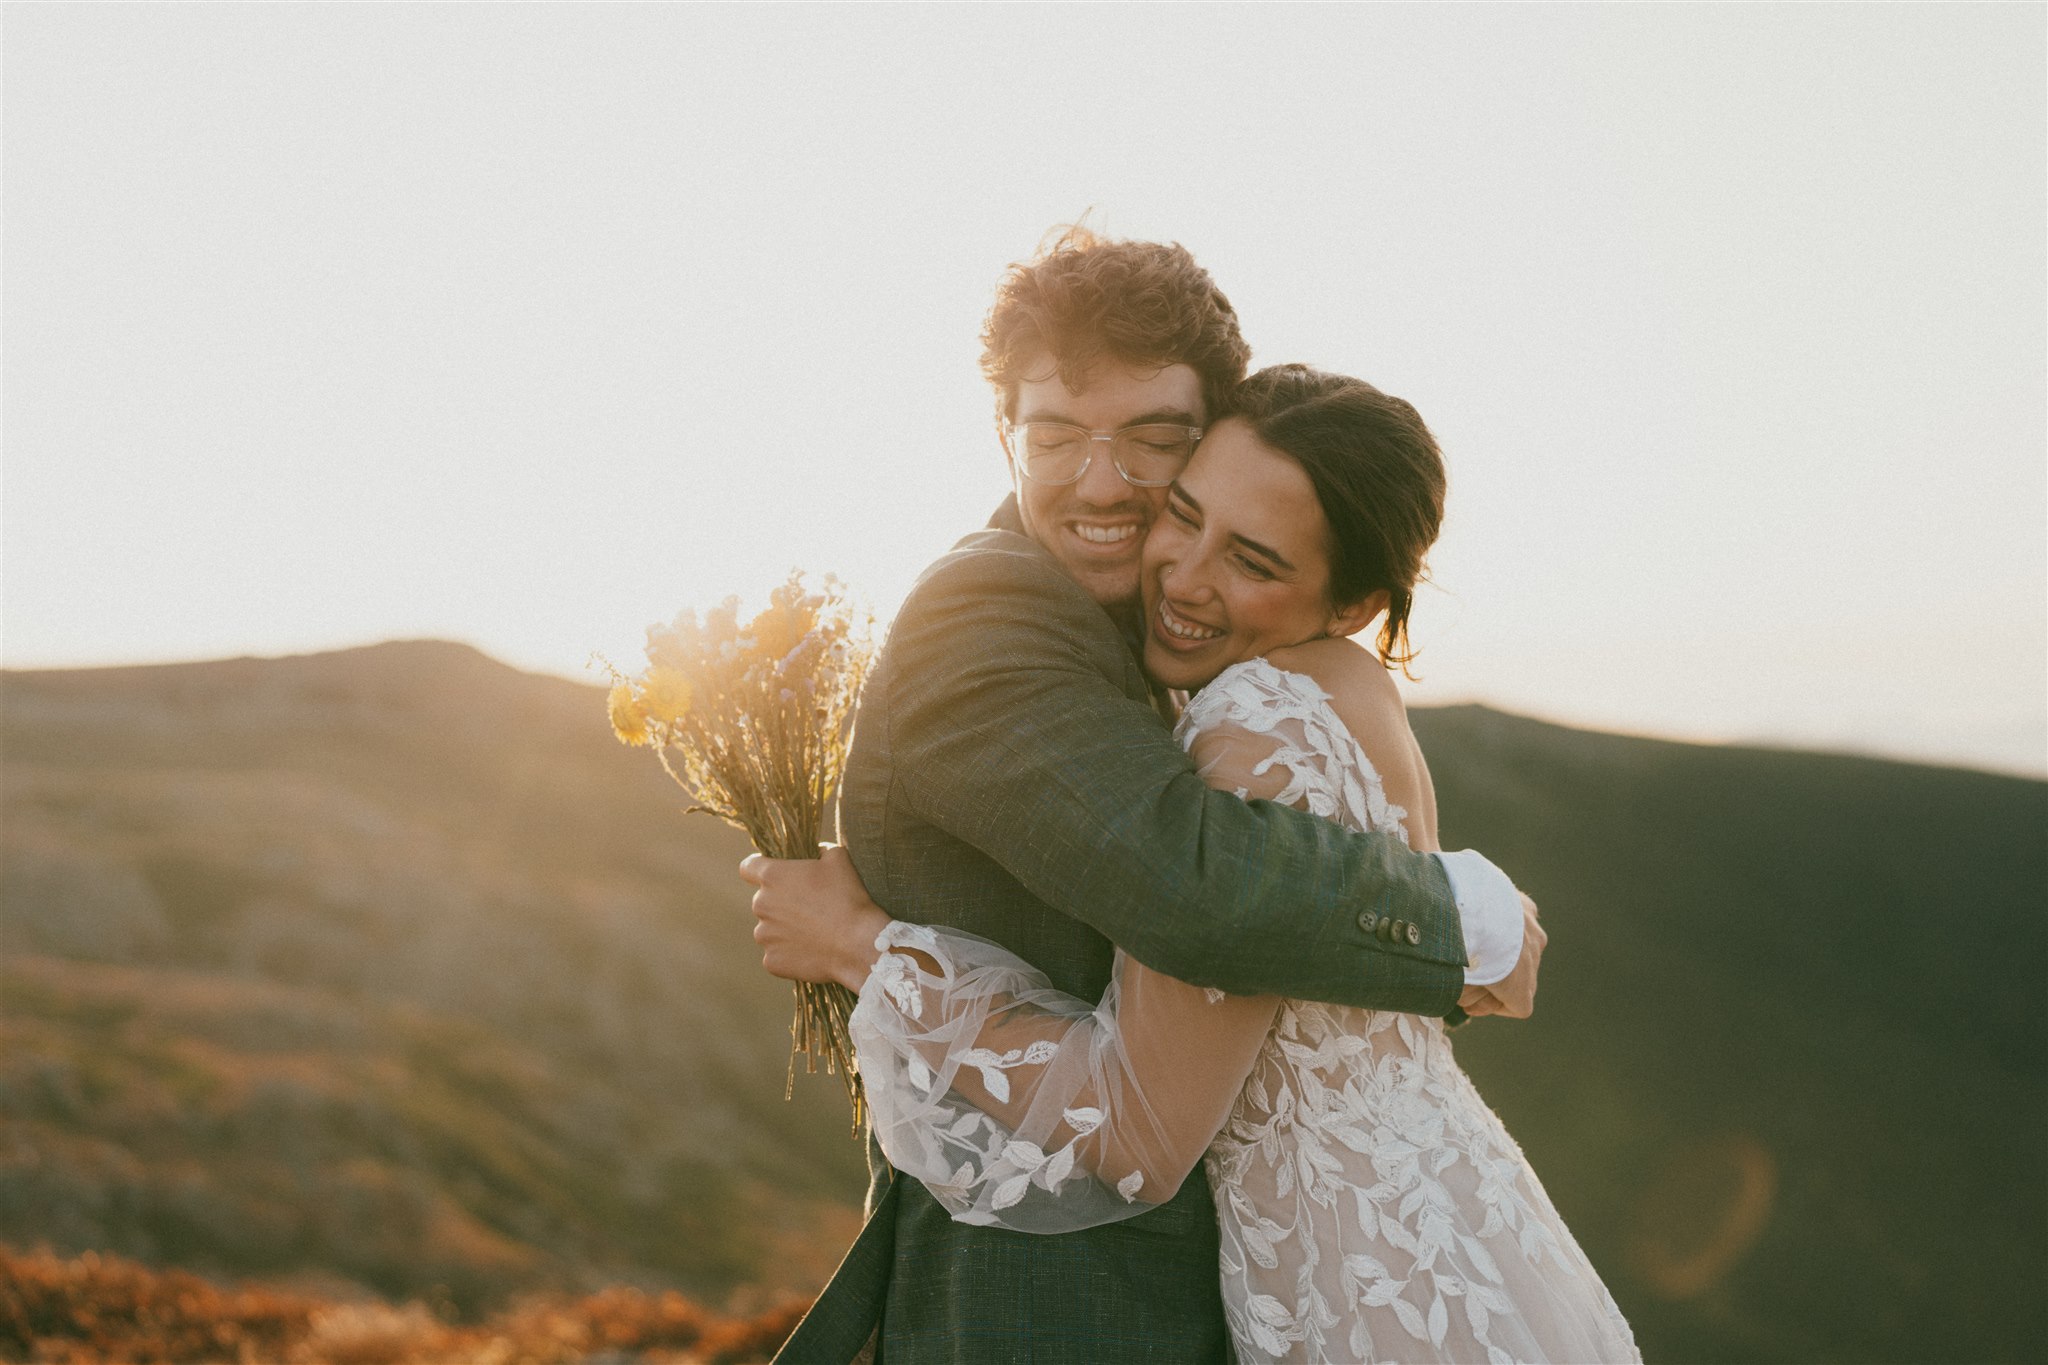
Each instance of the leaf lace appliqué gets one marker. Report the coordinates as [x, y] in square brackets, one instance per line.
[991, 1170]
[1372, 1206]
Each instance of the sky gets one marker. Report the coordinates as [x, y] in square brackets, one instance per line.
[528, 326]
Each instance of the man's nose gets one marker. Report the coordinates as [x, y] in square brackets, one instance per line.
[1100, 484]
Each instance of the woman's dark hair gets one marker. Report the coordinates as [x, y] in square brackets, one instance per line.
[1377, 474]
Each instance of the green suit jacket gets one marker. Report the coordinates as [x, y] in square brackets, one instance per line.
[1011, 777]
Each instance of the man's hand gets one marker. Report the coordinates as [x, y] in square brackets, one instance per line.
[1514, 995]
[813, 918]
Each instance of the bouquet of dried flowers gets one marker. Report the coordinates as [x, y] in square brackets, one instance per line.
[752, 721]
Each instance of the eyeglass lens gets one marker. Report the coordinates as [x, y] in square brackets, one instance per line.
[1149, 455]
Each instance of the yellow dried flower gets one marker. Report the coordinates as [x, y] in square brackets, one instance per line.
[775, 632]
[629, 722]
[665, 695]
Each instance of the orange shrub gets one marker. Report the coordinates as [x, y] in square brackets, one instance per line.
[739, 1340]
[104, 1310]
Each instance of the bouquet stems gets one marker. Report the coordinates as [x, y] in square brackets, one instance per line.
[754, 722]
[819, 1031]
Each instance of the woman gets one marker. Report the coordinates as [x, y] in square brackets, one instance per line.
[1371, 1205]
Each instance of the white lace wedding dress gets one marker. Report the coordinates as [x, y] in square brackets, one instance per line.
[1372, 1207]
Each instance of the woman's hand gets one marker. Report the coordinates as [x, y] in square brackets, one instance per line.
[813, 918]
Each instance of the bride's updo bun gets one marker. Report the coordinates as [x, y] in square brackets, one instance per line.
[1376, 472]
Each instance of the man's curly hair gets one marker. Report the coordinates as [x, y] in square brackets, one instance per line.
[1086, 298]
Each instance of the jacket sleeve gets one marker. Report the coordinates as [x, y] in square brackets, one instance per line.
[1011, 730]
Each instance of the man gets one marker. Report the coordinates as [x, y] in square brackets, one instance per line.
[1011, 775]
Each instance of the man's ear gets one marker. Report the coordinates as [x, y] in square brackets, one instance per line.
[1349, 620]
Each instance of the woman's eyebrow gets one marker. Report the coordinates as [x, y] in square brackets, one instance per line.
[1178, 491]
[1266, 550]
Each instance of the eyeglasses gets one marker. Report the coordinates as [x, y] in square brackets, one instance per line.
[1149, 455]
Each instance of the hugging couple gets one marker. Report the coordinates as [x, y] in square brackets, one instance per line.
[1142, 895]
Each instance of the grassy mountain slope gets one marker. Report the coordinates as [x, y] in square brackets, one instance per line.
[1786, 1076]
[390, 966]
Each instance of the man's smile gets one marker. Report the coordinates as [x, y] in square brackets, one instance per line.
[1116, 535]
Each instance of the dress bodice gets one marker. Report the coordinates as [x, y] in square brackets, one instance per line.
[1372, 1205]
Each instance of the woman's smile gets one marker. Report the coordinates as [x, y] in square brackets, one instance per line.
[1182, 631]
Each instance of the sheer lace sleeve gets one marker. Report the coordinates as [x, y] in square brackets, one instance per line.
[1028, 1109]
[1025, 1108]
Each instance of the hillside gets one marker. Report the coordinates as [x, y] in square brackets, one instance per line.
[390, 965]
[1786, 1078]
[388, 969]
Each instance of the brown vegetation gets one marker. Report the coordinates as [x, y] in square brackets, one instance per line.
[104, 1310]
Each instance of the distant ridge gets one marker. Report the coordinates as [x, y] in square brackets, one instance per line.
[389, 965]
[410, 663]
[432, 667]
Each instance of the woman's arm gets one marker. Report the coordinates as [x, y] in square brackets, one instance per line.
[1031, 1110]
[1024, 1108]
[1017, 1105]
[954, 1012]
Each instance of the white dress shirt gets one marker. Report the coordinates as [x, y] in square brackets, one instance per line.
[1491, 911]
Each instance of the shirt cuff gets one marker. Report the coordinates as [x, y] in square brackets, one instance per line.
[1490, 909]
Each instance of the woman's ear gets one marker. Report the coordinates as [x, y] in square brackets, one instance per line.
[1349, 620]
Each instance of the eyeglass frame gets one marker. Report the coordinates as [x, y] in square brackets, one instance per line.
[1010, 429]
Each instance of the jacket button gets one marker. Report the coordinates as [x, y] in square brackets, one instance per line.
[1388, 928]
[1368, 921]
[1414, 935]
